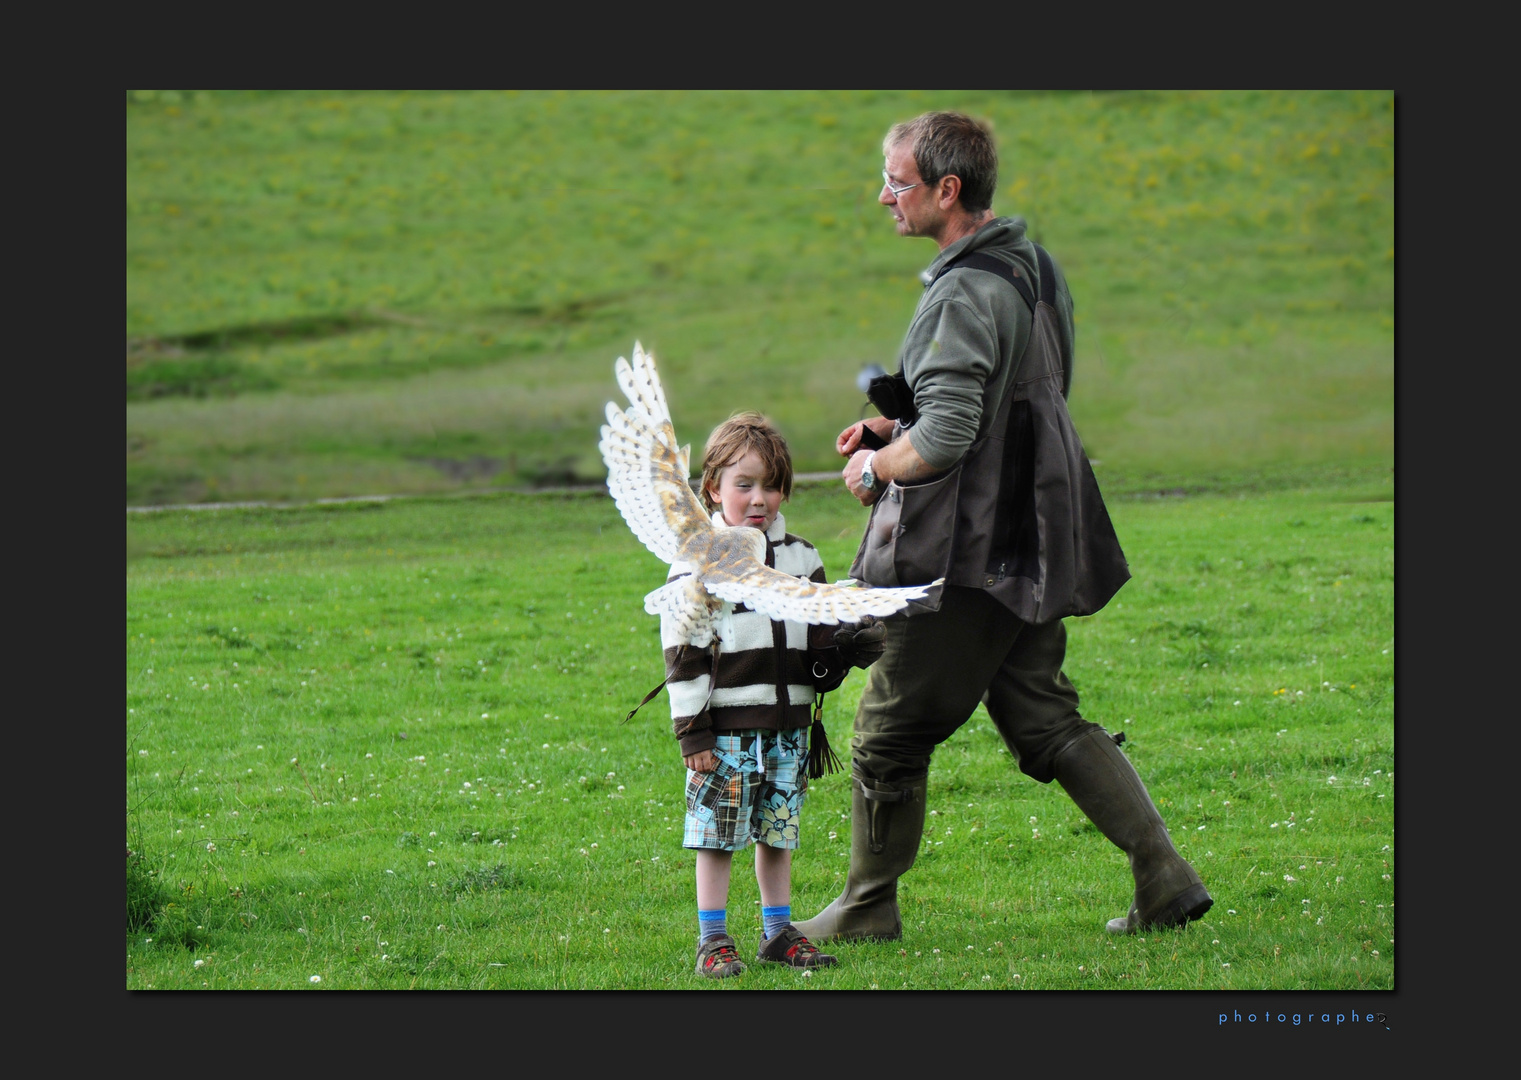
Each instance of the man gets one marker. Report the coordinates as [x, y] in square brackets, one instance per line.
[988, 640]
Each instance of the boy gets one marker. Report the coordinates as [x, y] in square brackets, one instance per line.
[744, 727]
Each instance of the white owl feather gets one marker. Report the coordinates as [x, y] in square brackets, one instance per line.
[647, 476]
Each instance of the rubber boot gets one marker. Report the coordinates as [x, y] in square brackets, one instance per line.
[886, 825]
[1106, 787]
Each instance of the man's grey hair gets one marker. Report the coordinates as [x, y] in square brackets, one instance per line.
[951, 144]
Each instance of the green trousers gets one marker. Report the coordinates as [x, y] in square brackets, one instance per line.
[936, 668]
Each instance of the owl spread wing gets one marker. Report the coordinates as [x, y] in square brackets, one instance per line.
[646, 470]
[780, 596]
[647, 477]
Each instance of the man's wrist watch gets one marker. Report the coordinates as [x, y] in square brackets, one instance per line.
[868, 478]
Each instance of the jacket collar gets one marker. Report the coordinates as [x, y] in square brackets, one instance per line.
[996, 233]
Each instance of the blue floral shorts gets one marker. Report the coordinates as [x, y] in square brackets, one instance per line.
[747, 798]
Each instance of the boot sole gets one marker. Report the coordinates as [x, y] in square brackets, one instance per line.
[896, 936]
[1188, 905]
[850, 935]
[1182, 909]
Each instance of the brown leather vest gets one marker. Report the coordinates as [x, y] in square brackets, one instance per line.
[1020, 515]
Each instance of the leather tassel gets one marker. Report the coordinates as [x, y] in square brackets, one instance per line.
[822, 759]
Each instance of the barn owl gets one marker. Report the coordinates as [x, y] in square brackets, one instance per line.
[647, 477]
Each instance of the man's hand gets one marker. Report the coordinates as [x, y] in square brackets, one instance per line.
[703, 761]
[850, 439]
[861, 643]
[852, 475]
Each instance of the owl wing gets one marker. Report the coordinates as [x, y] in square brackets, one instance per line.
[646, 471]
[782, 596]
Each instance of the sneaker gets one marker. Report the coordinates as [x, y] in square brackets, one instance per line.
[790, 947]
[717, 958]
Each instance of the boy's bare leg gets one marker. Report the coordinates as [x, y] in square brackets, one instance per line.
[713, 878]
[773, 873]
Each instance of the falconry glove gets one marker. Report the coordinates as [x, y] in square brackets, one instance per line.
[861, 643]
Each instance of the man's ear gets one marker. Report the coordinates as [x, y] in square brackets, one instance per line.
[949, 190]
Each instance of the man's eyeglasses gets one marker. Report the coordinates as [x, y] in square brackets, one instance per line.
[896, 189]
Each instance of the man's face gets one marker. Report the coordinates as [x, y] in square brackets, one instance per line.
[916, 211]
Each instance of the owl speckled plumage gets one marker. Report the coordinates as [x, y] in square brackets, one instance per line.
[647, 477]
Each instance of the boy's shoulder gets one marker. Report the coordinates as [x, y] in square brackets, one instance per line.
[794, 538]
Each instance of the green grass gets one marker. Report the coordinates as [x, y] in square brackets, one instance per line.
[309, 692]
[346, 293]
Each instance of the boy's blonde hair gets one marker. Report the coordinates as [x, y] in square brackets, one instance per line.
[736, 437]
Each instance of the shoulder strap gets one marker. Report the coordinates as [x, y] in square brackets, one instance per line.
[1047, 275]
[979, 261]
[1048, 297]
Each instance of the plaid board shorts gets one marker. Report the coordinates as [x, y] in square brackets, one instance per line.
[736, 803]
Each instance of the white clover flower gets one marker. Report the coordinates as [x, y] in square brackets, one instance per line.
[200, 963]
[315, 979]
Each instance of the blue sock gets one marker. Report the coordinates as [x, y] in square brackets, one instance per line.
[711, 923]
[776, 918]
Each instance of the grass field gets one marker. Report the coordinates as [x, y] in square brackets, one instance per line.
[379, 744]
[345, 293]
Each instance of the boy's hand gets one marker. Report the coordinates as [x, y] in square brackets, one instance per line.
[702, 761]
[861, 643]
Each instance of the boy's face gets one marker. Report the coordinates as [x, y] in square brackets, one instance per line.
[742, 495]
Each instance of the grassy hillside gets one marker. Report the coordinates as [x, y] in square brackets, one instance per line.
[333, 294]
